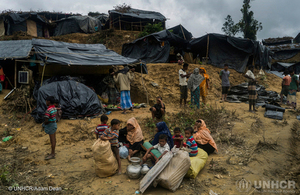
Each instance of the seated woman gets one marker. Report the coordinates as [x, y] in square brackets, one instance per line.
[203, 138]
[134, 137]
[162, 128]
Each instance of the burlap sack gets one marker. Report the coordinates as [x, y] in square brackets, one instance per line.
[105, 161]
[172, 176]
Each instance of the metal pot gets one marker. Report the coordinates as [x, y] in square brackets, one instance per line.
[145, 169]
[134, 169]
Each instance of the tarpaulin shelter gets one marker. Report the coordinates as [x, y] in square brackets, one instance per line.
[153, 48]
[182, 32]
[14, 50]
[284, 52]
[277, 41]
[76, 100]
[29, 22]
[77, 24]
[223, 49]
[281, 67]
[134, 19]
[102, 17]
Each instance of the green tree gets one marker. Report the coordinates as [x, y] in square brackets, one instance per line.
[151, 28]
[247, 25]
[229, 28]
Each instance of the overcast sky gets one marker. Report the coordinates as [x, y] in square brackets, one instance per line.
[279, 17]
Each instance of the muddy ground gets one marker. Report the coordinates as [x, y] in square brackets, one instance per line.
[251, 147]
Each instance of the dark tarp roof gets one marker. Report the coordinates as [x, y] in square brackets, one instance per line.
[281, 67]
[21, 17]
[102, 17]
[142, 14]
[77, 54]
[149, 48]
[177, 30]
[15, 49]
[224, 49]
[77, 24]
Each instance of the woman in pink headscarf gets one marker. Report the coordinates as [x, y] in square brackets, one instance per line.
[203, 138]
[134, 137]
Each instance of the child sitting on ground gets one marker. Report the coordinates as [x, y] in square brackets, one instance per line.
[112, 135]
[177, 137]
[162, 147]
[190, 142]
[101, 127]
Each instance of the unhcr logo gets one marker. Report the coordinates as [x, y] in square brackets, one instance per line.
[243, 185]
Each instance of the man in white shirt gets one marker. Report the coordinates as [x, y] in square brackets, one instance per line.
[183, 75]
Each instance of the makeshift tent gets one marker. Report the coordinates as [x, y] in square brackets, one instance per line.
[223, 49]
[278, 41]
[77, 54]
[102, 17]
[77, 24]
[76, 100]
[15, 49]
[281, 67]
[153, 48]
[134, 19]
[32, 23]
[180, 31]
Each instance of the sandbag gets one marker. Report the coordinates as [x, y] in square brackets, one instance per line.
[105, 161]
[172, 176]
[197, 164]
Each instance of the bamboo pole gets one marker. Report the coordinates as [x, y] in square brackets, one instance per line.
[120, 23]
[206, 59]
[185, 39]
[141, 25]
[15, 74]
[144, 83]
[43, 74]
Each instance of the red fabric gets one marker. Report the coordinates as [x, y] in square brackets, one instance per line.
[2, 77]
[177, 142]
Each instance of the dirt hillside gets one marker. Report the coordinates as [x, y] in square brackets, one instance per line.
[250, 146]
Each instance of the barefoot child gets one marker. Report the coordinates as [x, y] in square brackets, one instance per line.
[162, 147]
[112, 135]
[177, 137]
[101, 127]
[190, 142]
[50, 125]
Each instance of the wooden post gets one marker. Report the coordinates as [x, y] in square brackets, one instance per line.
[120, 23]
[141, 25]
[206, 59]
[185, 39]
[110, 22]
[15, 74]
[144, 83]
[43, 74]
[131, 27]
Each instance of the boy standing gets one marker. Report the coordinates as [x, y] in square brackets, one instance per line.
[190, 142]
[293, 88]
[162, 146]
[112, 135]
[50, 125]
[159, 109]
[183, 83]
[224, 76]
[101, 127]
[178, 138]
[285, 85]
[59, 111]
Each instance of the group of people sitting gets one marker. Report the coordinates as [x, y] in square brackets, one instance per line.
[132, 137]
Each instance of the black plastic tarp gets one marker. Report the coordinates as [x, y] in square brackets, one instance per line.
[281, 67]
[224, 49]
[102, 17]
[274, 114]
[239, 93]
[77, 24]
[180, 31]
[285, 54]
[142, 14]
[15, 49]
[153, 48]
[77, 54]
[76, 100]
